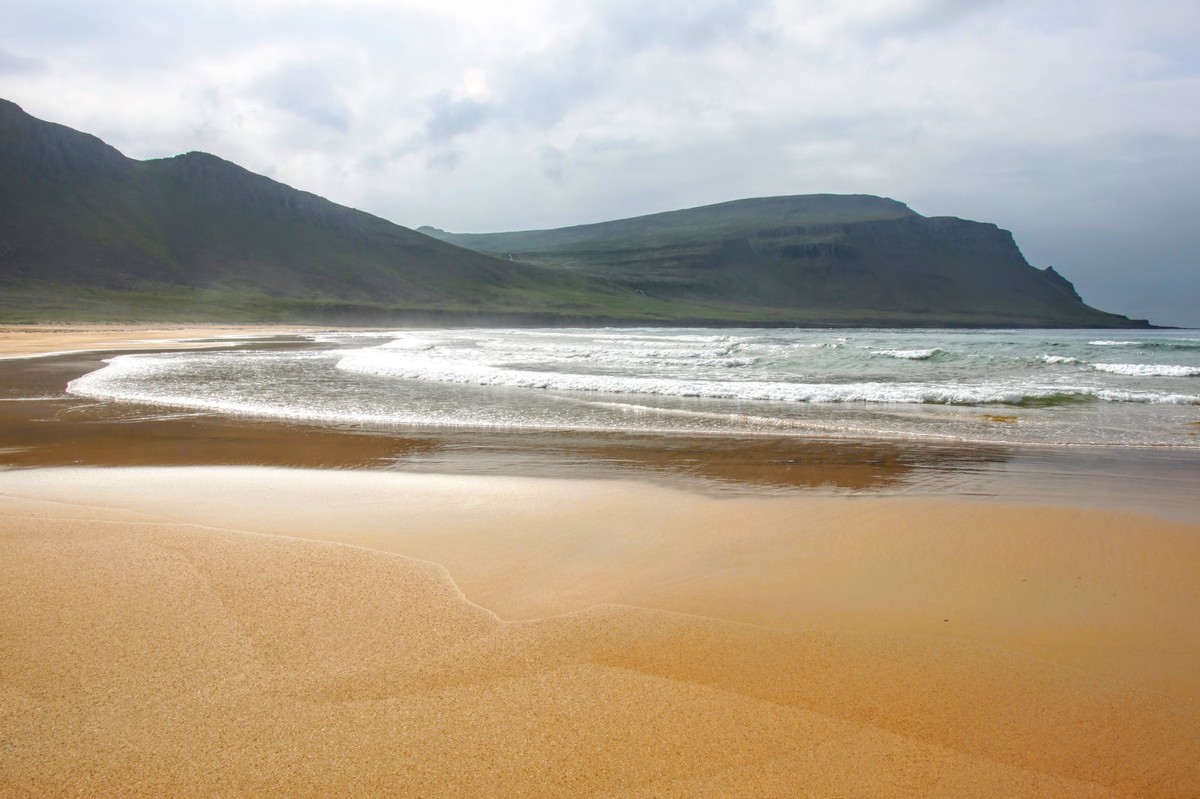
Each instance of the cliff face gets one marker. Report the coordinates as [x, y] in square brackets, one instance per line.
[920, 264]
[883, 262]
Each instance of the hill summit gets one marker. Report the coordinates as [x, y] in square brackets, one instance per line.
[821, 258]
[87, 233]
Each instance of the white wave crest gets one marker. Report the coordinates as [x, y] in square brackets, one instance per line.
[1148, 369]
[1147, 397]
[911, 355]
[415, 366]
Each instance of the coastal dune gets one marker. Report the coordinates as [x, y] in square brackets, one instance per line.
[350, 633]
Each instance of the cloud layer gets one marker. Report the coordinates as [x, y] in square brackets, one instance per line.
[1073, 124]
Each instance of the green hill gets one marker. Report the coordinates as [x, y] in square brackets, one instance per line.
[818, 259]
[724, 220]
[88, 234]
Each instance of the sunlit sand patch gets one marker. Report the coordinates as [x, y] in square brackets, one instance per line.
[25, 341]
[167, 631]
[199, 631]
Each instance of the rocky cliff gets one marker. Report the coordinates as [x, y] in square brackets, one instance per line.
[871, 258]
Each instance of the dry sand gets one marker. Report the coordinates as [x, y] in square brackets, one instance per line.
[170, 632]
[23, 341]
[283, 632]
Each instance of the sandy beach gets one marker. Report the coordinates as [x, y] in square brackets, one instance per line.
[190, 619]
[23, 341]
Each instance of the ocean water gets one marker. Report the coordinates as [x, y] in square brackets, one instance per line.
[1005, 387]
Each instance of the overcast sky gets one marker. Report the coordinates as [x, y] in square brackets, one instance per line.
[1074, 123]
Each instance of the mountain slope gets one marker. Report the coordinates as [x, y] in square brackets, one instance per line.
[86, 229]
[86, 233]
[816, 257]
[723, 220]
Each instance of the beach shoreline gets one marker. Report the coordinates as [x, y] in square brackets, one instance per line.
[439, 615]
[49, 339]
[41, 425]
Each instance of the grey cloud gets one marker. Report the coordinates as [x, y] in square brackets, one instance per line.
[541, 93]
[444, 160]
[115, 36]
[76, 21]
[13, 64]
[633, 27]
[662, 104]
[451, 117]
[540, 90]
[308, 93]
[923, 18]
[553, 163]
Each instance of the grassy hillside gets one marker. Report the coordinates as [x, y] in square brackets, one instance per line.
[88, 234]
[813, 258]
[723, 220]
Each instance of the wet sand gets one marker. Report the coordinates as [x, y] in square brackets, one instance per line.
[247, 631]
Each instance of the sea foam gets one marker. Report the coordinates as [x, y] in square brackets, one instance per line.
[1148, 369]
[911, 355]
[864, 382]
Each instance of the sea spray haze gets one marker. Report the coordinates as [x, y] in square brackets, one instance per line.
[1010, 387]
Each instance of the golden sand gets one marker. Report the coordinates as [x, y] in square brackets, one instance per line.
[270, 632]
[170, 632]
[31, 340]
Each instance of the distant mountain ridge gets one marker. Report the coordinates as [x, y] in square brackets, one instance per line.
[737, 217]
[860, 256]
[86, 233]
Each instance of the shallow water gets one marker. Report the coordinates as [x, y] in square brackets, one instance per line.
[989, 387]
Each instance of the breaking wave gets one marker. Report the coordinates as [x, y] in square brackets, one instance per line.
[851, 382]
[912, 355]
[1148, 369]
